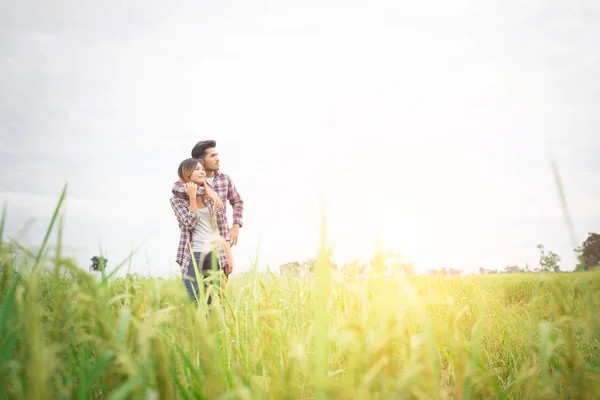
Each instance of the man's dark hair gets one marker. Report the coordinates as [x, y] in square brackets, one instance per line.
[201, 147]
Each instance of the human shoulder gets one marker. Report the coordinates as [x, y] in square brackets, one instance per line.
[222, 175]
[177, 201]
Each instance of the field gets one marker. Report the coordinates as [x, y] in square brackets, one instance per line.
[64, 335]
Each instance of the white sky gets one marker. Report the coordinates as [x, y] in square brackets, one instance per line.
[423, 122]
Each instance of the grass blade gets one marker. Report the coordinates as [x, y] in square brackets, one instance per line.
[52, 221]
[563, 199]
[2, 225]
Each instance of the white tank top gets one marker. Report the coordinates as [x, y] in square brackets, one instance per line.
[203, 232]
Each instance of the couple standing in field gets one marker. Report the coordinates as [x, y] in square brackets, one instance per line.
[199, 202]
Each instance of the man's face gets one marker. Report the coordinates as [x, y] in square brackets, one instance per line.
[211, 160]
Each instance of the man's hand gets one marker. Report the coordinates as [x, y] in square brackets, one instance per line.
[219, 240]
[229, 267]
[214, 197]
[234, 232]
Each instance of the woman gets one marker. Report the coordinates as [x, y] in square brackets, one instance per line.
[196, 219]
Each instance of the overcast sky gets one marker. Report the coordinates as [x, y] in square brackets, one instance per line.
[424, 122]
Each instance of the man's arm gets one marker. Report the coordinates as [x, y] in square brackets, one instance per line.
[179, 190]
[203, 190]
[236, 202]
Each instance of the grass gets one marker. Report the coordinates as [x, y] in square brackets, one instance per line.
[64, 334]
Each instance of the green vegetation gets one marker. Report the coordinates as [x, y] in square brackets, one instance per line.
[64, 334]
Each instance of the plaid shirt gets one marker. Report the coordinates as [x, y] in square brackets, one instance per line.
[188, 221]
[225, 189]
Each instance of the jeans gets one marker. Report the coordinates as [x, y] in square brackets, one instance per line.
[190, 281]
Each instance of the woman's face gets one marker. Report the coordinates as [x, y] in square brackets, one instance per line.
[198, 174]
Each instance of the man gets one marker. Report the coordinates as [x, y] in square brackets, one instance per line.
[205, 152]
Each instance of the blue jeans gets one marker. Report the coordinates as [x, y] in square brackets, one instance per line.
[191, 283]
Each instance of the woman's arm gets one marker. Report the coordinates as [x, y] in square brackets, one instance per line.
[185, 216]
[205, 191]
[179, 190]
[193, 204]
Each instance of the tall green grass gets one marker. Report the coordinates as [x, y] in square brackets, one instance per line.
[64, 334]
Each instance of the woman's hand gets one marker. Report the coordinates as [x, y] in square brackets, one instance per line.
[191, 189]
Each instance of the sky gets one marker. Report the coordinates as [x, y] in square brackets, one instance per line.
[426, 123]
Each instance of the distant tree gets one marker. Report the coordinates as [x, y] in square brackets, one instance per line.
[589, 253]
[408, 268]
[511, 269]
[444, 272]
[351, 268]
[308, 266]
[398, 263]
[292, 268]
[362, 268]
[548, 261]
[580, 265]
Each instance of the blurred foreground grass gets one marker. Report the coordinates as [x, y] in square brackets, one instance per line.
[64, 334]
[502, 336]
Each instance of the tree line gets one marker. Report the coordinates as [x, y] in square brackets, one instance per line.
[389, 263]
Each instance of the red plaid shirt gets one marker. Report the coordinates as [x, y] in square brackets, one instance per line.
[188, 221]
[224, 187]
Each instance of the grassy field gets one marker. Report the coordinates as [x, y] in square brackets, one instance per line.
[64, 335]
